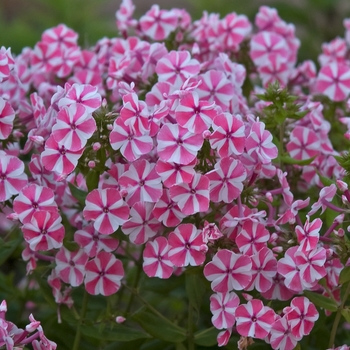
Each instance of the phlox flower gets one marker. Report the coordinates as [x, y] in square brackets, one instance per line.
[7, 63]
[186, 243]
[326, 195]
[273, 71]
[278, 290]
[60, 36]
[74, 126]
[45, 57]
[7, 116]
[103, 274]
[308, 236]
[281, 336]
[156, 261]
[70, 266]
[44, 231]
[254, 319]
[228, 271]
[223, 306]
[107, 209]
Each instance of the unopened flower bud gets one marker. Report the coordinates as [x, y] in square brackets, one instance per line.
[273, 237]
[269, 197]
[339, 219]
[247, 296]
[329, 253]
[347, 135]
[278, 249]
[342, 185]
[203, 248]
[3, 306]
[38, 140]
[123, 192]
[17, 134]
[344, 200]
[340, 232]
[96, 146]
[120, 319]
[110, 127]
[206, 134]
[91, 164]
[195, 49]
[32, 326]
[13, 217]
[104, 103]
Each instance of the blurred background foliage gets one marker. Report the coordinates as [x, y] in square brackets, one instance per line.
[23, 21]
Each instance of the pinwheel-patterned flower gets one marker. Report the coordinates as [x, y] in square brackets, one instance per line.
[141, 182]
[103, 274]
[177, 144]
[44, 231]
[228, 271]
[281, 336]
[254, 319]
[6, 63]
[31, 199]
[223, 307]
[61, 36]
[186, 246]
[7, 116]
[107, 209]
[12, 176]
[308, 236]
[92, 242]
[74, 126]
[70, 266]
[226, 180]
[333, 80]
[192, 197]
[156, 261]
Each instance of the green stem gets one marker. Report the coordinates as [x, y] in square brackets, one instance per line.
[190, 338]
[338, 316]
[82, 316]
[136, 282]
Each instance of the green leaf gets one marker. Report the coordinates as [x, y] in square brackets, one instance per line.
[321, 301]
[92, 179]
[290, 160]
[117, 333]
[78, 194]
[159, 328]
[325, 180]
[195, 290]
[344, 275]
[7, 248]
[206, 337]
[346, 314]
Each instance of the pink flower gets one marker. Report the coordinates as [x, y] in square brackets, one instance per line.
[74, 126]
[281, 337]
[326, 195]
[260, 142]
[92, 242]
[141, 182]
[31, 199]
[61, 36]
[333, 80]
[177, 144]
[228, 271]
[103, 274]
[223, 306]
[278, 290]
[273, 71]
[177, 66]
[44, 231]
[192, 197]
[158, 24]
[7, 116]
[107, 209]
[224, 337]
[142, 224]
[228, 136]
[254, 319]
[7, 63]
[12, 176]
[186, 246]
[45, 57]
[70, 266]
[156, 262]
[308, 236]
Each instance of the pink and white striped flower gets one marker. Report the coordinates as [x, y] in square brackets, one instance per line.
[281, 336]
[226, 180]
[70, 266]
[103, 274]
[12, 176]
[142, 224]
[142, 183]
[45, 58]
[228, 271]
[326, 195]
[177, 144]
[31, 199]
[278, 290]
[7, 63]
[131, 146]
[158, 24]
[228, 137]
[74, 126]
[223, 307]
[333, 80]
[273, 71]
[156, 262]
[177, 66]
[259, 142]
[192, 197]
[107, 209]
[252, 237]
[301, 315]
[7, 116]
[254, 319]
[60, 36]
[186, 246]
[308, 236]
[84, 94]
[44, 231]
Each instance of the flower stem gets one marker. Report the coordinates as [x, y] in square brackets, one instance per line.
[190, 339]
[338, 316]
[82, 316]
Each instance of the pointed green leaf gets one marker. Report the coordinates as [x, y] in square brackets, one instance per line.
[92, 179]
[206, 337]
[346, 314]
[344, 275]
[159, 328]
[78, 194]
[195, 290]
[7, 248]
[321, 301]
[290, 160]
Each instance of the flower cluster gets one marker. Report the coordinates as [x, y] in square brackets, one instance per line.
[182, 146]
